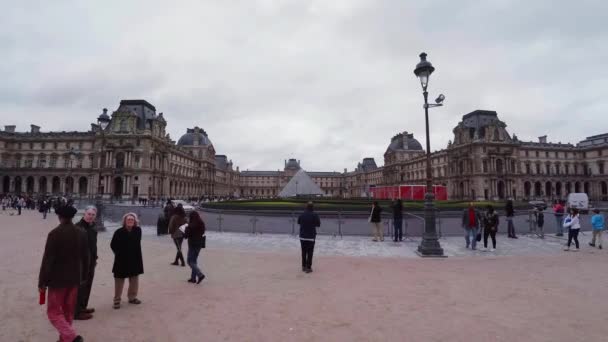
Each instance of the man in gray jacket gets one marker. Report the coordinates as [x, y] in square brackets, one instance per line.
[471, 224]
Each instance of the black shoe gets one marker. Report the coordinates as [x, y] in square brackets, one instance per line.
[200, 278]
[78, 339]
[308, 270]
[515, 237]
[304, 269]
[174, 263]
[591, 244]
[600, 247]
[192, 281]
[394, 240]
[559, 234]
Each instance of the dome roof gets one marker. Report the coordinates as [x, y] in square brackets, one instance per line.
[194, 137]
[404, 141]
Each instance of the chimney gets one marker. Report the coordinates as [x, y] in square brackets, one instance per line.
[9, 128]
[543, 139]
[35, 129]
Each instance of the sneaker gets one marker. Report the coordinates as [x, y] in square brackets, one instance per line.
[575, 250]
[567, 249]
[492, 249]
[485, 249]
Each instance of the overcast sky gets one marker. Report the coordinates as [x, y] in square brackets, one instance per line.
[326, 82]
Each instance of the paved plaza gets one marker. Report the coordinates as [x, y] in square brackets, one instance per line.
[528, 290]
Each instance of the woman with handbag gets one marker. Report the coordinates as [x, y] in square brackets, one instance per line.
[177, 220]
[195, 234]
[572, 222]
[490, 228]
[376, 220]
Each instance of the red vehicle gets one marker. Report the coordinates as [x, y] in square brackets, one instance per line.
[408, 192]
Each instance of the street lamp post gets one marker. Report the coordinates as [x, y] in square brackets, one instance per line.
[429, 246]
[102, 121]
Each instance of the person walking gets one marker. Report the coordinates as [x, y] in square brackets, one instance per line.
[308, 221]
[128, 261]
[471, 222]
[87, 225]
[572, 222]
[20, 204]
[195, 234]
[398, 220]
[64, 265]
[44, 208]
[510, 213]
[376, 220]
[540, 221]
[597, 223]
[558, 211]
[490, 228]
[177, 220]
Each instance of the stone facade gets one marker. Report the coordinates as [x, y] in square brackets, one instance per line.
[132, 158]
[138, 159]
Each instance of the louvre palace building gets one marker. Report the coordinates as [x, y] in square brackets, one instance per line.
[133, 157]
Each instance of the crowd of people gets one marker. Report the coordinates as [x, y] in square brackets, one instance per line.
[70, 256]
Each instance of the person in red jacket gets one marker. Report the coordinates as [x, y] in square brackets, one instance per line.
[64, 267]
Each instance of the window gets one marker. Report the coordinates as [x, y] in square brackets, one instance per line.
[31, 145]
[137, 142]
[601, 168]
[19, 145]
[54, 146]
[28, 163]
[53, 162]
[485, 166]
[80, 145]
[527, 154]
[528, 171]
[547, 154]
[43, 145]
[537, 154]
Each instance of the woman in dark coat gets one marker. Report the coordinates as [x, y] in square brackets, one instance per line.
[128, 261]
[195, 234]
[177, 220]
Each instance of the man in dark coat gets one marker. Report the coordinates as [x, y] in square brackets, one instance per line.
[64, 265]
[87, 225]
[308, 221]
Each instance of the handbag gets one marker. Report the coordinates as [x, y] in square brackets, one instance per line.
[478, 237]
[204, 241]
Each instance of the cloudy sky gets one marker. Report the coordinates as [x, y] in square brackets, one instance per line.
[326, 82]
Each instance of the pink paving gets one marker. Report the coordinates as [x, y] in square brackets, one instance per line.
[262, 296]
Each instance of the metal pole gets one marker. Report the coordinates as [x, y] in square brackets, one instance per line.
[429, 246]
[99, 198]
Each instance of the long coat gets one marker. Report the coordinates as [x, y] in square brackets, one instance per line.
[66, 260]
[128, 261]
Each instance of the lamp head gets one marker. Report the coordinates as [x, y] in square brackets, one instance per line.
[423, 70]
[103, 120]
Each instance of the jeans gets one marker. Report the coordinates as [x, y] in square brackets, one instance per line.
[308, 247]
[179, 256]
[60, 311]
[573, 235]
[398, 224]
[489, 232]
[193, 253]
[510, 227]
[470, 236]
[44, 214]
[559, 220]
